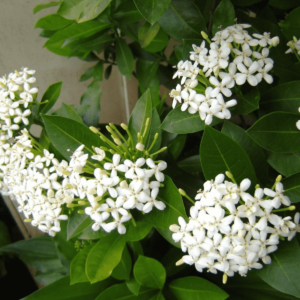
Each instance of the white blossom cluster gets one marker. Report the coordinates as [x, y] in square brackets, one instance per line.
[230, 230]
[294, 46]
[232, 58]
[16, 97]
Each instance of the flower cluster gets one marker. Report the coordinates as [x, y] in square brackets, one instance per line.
[230, 230]
[16, 97]
[294, 46]
[233, 57]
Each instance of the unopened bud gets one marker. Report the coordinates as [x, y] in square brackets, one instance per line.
[140, 146]
[174, 228]
[229, 175]
[180, 262]
[117, 142]
[292, 207]
[94, 129]
[275, 41]
[27, 220]
[279, 178]
[81, 212]
[71, 205]
[82, 202]
[182, 192]
[224, 278]
[204, 35]
[257, 186]
[295, 39]
[124, 126]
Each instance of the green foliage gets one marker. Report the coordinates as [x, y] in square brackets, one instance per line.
[223, 19]
[124, 58]
[291, 25]
[51, 95]
[123, 269]
[4, 235]
[292, 187]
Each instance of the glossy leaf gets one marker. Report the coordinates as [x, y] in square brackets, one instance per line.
[170, 259]
[182, 20]
[174, 206]
[125, 60]
[105, 256]
[190, 164]
[147, 33]
[282, 273]
[182, 122]
[82, 10]
[138, 232]
[177, 145]
[96, 72]
[77, 267]
[40, 7]
[255, 153]
[149, 272]
[286, 69]
[284, 97]
[123, 269]
[158, 296]
[62, 290]
[67, 134]
[158, 43]
[121, 292]
[52, 93]
[67, 111]
[52, 22]
[127, 13]
[247, 103]
[224, 16]
[90, 234]
[196, 288]
[291, 25]
[277, 132]
[292, 187]
[152, 10]
[77, 223]
[283, 4]
[48, 278]
[91, 97]
[219, 153]
[286, 164]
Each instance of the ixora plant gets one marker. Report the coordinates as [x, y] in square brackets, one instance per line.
[109, 197]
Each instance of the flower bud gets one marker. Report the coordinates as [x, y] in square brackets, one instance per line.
[275, 41]
[94, 129]
[140, 146]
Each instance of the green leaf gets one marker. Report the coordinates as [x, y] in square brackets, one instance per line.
[138, 232]
[124, 57]
[158, 296]
[123, 269]
[39, 252]
[62, 290]
[190, 164]
[82, 10]
[4, 235]
[68, 134]
[77, 267]
[286, 164]
[224, 16]
[219, 153]
[137, 250]
[291, 25]
[105, 256]
[284, 97]
[108, 72]
[71, 33]
[182, 122]
[52, 93]
[77, 223]
[292, 187]
[255, 153]
[152, 10]
[170, 259]
[159, 42]
[277, 132]
[96, 72]
[127, 13]
[182, 20]
[141, 112]
[40, 7]
[282, 273]
[149, 272]
[67, 111]
[147, 33]
[283, 5]
[91, 97]
[177, 145]
[48, 278]
[196, 288]
[90, 234]
[174, 206]
[52, 22]
[121, 292]
[286, 69]
[247, 103]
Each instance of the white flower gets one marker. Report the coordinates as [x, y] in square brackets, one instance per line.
[100, 154]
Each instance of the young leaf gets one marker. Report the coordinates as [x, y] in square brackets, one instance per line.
[77, 223]
[67, 111]
[183, 122]
[40, 7]
[281, 274]
[291, 25]
[286, 164]
[105, 256]
[284, 97]
[147, 33]
[149, 272]
[182, 20]
[152, 10]
[123, 269]
[52, 93]
[77, 267]
[67, 134]
[62, 290]
[277, 132]
[224, 16]
[292, 187]
[196, 288]
[91, 97]
[174, 206]
[124, 57]
[219, 153]
[52, 22]
[255, 153]
[121, 292]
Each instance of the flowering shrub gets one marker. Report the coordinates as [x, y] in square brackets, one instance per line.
[109, 196]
